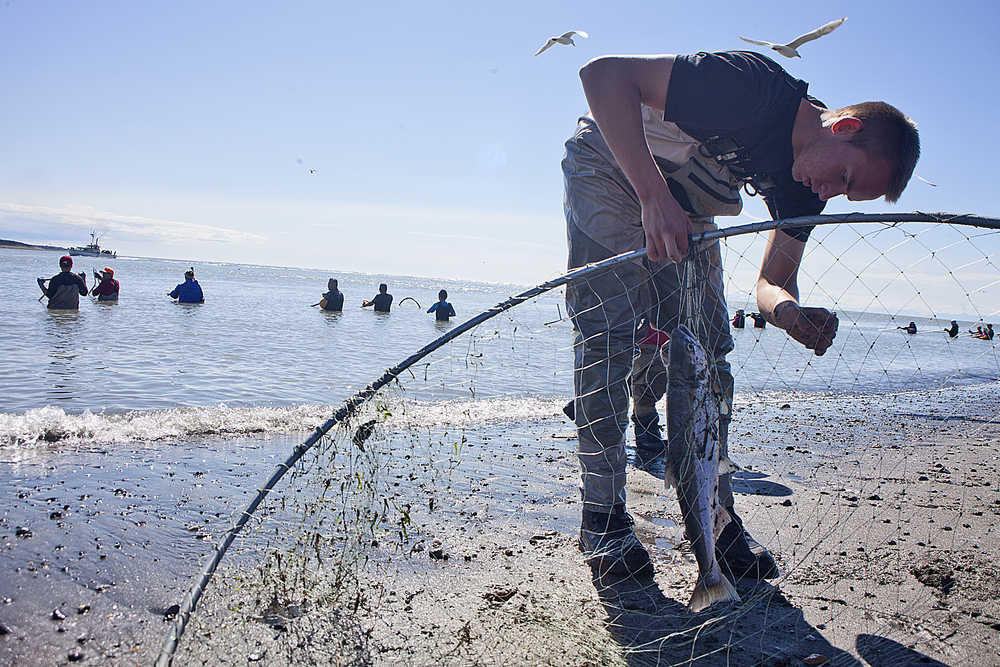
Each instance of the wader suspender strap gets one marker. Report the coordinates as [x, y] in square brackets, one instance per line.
[728, 152]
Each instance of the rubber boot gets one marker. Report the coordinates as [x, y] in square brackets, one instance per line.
[740, 556]
[649, 443]
[610, 546]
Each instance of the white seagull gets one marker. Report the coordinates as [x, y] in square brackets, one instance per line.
[788, 50]
[565, 38]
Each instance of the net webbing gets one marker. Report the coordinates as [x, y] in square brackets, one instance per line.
[863, 471]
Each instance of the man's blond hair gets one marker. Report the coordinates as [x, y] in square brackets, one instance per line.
[886, 133]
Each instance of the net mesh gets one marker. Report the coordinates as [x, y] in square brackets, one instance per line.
[448, 530]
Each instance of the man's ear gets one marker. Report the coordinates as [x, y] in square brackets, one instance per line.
[846, 125]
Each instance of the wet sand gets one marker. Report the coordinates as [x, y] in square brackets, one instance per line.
[882, 512]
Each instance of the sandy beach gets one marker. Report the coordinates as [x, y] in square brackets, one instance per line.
[882, 513]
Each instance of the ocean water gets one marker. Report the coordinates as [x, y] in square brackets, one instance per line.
[255, 358]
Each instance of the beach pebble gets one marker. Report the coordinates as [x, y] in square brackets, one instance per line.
[172, 611]
[815, 659]
[83, 609]
[437, 551]
[21, 531]
[4, 630]
[500, 594]
[57, 615]
[75, 656]
[535, 539]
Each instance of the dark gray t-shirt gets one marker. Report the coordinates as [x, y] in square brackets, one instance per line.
[741, 106]
[382, 302]
[334, 300]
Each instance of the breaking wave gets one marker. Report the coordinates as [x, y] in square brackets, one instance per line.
[53, 425]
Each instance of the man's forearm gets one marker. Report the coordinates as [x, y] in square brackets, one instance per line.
[778, 282]
[779, 305]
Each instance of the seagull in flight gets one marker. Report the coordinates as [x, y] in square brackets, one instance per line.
[789, 50]
[565, 38]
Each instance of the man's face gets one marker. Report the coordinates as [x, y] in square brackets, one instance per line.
[832, 166]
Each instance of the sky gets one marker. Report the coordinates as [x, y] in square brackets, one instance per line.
[411, 138]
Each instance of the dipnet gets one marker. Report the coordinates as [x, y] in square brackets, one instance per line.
[446, 531]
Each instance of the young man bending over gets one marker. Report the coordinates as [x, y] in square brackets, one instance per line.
[665, 147]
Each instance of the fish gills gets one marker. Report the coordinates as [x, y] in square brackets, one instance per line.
[693, 463]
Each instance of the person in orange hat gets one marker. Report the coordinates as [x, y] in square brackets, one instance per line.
[65, 288]
[107, 289]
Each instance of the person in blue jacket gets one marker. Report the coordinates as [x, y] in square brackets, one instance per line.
[442, 309]
[188, 291]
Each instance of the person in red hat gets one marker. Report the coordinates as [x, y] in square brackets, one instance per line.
[65, 288]
[107, 289]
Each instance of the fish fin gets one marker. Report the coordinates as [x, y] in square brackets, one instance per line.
[669, 479]
[726, 466]
[722, 519]
[705, 595]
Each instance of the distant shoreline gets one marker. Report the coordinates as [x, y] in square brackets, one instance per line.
[7, 243]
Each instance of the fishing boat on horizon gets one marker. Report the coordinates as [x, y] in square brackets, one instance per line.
[92, 249]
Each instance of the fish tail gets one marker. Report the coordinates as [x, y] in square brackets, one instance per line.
[705, 594]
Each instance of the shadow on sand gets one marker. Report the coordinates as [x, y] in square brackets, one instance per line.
[746, 482]
[765, 629]
[881, 652]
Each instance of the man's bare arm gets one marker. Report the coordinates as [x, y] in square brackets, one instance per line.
[778, 295]
[616, 87]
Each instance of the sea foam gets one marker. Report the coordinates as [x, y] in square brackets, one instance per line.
[53, 425]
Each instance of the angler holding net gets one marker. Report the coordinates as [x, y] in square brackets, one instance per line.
[665, 148]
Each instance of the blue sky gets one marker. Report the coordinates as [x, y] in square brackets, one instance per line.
[189, 129]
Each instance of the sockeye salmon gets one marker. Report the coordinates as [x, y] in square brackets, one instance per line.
[693, 461]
